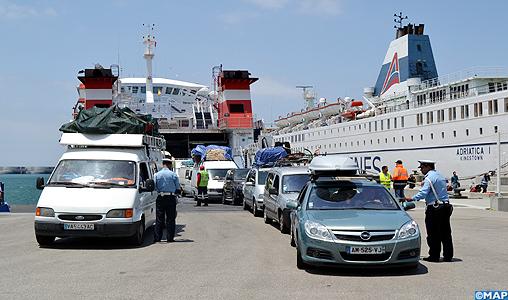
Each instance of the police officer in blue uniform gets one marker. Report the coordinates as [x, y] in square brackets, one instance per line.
[437, 213]
[168, 186]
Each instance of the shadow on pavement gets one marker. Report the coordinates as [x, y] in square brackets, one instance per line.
[369, 271]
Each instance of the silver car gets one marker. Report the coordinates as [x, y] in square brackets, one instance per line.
[283, 185]
[253, 190]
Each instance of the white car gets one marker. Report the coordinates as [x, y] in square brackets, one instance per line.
[253, 190]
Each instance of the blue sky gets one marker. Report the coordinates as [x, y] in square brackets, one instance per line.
[335, 45]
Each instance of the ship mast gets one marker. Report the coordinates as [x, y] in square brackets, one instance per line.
[150, 43]
[308, 95]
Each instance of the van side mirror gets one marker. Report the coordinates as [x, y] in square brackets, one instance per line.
[408, 205]
[149, 186]
[249, 183]
[272, 191]
[39, 183]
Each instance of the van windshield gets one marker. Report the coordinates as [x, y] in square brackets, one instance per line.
[294, 183]
[262, 177]
[91, 173]
[217, 174]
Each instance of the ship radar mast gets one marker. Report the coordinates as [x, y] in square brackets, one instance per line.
[308, 95]
[398, 20]
[150, 44]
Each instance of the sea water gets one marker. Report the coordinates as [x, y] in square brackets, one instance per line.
[20, 188]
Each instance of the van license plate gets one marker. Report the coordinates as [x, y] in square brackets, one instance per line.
[79, 226]
[366, 250]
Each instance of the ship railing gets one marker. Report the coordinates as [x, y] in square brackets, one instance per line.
[474, 72]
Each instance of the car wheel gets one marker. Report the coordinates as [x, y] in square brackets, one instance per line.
[266, 219]
[233, 198]
[283, 228]
[255, 210]
[245, 206]
[44, 240]
[138, 237]
[224, 198]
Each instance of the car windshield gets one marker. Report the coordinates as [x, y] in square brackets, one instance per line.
[350, 195]
[217, 174]
[240, 174]
[294, 183]
[262, 177]
[81, 172]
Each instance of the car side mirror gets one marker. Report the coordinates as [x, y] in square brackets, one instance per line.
[408, 205]
[149, 186]
[272, 191]
[39, 183]
[292, 205]
[249, 183]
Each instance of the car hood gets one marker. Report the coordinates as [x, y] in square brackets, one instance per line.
[86, 200]
[360, 219]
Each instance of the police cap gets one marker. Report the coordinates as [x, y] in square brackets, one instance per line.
[426, 162]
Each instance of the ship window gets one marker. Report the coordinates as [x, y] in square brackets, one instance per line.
[394, 122]
[135, 89]
[421, 137]
[357, 143]
[364, 142]
[334, 146]
[236, 108]
[324, 146]
[371, 142]
[481, 131]
[467, 132]
[388, 124]
[386, 140]
[454, 113]
[382, 121]
[378, 141]
[442, 134]
[454, 133]
[495, 129]
[351, 144]
[411, 138]
[143, 90]
[402, 138]
[122, 89]
[375, 126]
[169, 90]
[431, 136]
[495, 106]
[480, 108]
[176, 91]
[492, 87]
[402, 122]
[340, 145]
[394, 139]
[490, 109]
[370, 123]
[419, 47]
[157, 90]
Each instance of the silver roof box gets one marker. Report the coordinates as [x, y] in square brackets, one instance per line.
[333, 165]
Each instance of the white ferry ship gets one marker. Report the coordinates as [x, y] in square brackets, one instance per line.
[411, 114]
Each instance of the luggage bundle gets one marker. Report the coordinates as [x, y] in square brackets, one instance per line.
[211, 152]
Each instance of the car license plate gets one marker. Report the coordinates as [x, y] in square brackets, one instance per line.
[366, 250]
[79, 226]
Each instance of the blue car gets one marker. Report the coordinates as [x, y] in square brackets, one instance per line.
[341, 218]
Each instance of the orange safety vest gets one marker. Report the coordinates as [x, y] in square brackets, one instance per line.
[400, 173]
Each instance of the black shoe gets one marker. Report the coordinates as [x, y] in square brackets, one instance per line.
[156, 241]
[431, 259]
[446, 259]
[170, 241]
[205, 204]
[197, 205]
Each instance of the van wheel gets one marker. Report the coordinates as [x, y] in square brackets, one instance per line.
[255, 210]
[44, 240]
[245, 207]
[138, 237]
[283, 228]
[266, 219]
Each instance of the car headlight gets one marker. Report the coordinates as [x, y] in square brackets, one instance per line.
[44, 212]
[317, 231]
[119, 213]
[410, 229]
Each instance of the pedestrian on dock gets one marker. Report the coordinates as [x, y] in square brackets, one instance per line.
[385, 178]
[168, 187]
[202, 185]
[437, 213]
[1, 193]
[484, 184]
[455, 181]
[399, 177]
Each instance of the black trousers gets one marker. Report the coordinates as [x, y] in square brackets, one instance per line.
[439, 231]
[166, 213]
[202, 195]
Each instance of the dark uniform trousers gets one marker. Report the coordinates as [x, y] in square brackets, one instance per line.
[437, 222]
[165, 209]
[202, 195]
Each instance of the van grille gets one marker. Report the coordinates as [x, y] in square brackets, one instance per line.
[80, 217]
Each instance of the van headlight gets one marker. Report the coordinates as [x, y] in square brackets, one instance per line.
[120, 213]
[317, 231]
[410, 229]
[44, 212]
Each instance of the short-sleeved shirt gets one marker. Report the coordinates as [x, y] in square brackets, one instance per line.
[439, 184]
[166, 181]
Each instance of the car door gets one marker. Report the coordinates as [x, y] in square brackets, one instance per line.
[147, 199]
[266, 194]
[275, 184]
[248, 190]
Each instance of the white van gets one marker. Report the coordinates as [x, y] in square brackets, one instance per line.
[102, 186]
[185, 177]
[217, 170]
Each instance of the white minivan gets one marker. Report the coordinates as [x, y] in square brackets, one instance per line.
[217, 170]
[102, 186]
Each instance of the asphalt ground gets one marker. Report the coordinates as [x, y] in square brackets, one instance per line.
[223, 252]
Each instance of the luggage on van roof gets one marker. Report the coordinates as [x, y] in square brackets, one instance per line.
[267, 157]
[111, 120]
[212, 152]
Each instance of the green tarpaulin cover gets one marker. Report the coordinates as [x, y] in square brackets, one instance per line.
[110, 120]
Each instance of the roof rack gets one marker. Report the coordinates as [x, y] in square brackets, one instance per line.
[293, 160]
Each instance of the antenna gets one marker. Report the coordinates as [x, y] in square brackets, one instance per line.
[308, 96]
[398, 20]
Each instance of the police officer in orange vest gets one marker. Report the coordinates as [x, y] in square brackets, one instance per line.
[399, 178]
